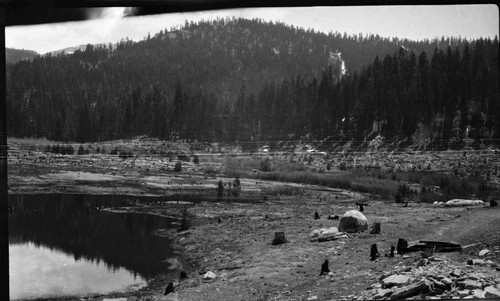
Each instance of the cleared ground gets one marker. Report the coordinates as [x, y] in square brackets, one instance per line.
[238, 249]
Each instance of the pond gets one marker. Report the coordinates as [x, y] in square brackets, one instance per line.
[60, 245]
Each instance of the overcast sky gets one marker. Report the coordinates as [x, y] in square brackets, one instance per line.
[413, 22]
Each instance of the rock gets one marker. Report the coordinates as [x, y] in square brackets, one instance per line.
[394, 280]
[461, 202]
[484, 252]
[463, 293]
[476, 276]
[491, 292]
[382, 293]
[477, 293]
[440, 284]
[209, 276]
[471, 284]
[353, 221]
[410, 290]
[447, 281]
[456, 273]
[312, 298]
[326, 234]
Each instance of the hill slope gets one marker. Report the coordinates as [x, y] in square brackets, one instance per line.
[212, 80]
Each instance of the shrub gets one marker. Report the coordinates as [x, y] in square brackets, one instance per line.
[114, 151]
[196, 160]
[81, 150]
[70, 150]
[402, 194]
[185, 222]
[178, 166]
[125, 155]
[265, 165]
[329, 166]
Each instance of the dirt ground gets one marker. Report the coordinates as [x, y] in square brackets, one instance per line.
[238, 249]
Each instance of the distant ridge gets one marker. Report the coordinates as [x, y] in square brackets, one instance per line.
[13, 55]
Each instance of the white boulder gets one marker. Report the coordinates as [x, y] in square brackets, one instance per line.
[353, 221]
[461, 202]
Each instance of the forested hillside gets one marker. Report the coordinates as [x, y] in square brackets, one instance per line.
[248, 80]
[13, 56]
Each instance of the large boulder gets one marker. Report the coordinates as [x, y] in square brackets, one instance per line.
[353, 221]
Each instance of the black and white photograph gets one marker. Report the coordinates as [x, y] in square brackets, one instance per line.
[172, 151]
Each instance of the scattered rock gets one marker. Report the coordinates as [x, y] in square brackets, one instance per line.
[463, 293]
[477, 293]
[471, 284]
[456, 273]
[353, 221]
[411, 290]
[382, 293]
[483, 252]
[491, 292]
[209, 276]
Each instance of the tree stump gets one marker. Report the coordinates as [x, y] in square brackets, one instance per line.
[316, 215]
[324, 268]
[169, 289]
[183, 275]
[279, 238]
[402, 246]
[391, 255]
[375, 228]
[374, 252]
[493, 203]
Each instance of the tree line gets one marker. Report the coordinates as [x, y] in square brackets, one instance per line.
[249, 80]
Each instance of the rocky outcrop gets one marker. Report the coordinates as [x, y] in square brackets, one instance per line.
[437, 278]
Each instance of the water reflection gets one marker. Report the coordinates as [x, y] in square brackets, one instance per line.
[62, 225]
[40, 272]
